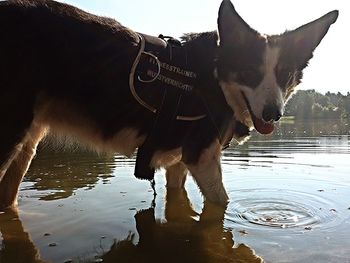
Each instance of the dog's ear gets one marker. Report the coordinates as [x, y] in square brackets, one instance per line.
[306, 38]
[232, 28]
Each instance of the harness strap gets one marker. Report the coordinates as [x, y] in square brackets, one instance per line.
[170, 94]
[166, 112]
[160, 45]
[132, 75]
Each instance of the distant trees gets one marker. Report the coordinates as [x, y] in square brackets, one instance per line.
[309, 104]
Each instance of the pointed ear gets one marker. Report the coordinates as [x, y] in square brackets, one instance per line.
[232, 28]
[306, 38]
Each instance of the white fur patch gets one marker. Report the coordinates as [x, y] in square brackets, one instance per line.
[268, 91]
[124, 142]
[19, 165]
[166, 158]
[67, 121]
[207, 174]
[236, 101]
[176, 175]
[12, 156]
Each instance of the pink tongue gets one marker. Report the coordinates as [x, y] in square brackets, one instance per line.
[263, 127]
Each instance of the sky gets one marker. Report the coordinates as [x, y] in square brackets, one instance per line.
[327, 71]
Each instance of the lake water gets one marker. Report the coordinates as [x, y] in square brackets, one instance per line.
[289, 202]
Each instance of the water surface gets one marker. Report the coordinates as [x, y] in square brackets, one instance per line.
[289, 202]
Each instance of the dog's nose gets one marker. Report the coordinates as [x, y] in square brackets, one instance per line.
[271, 113]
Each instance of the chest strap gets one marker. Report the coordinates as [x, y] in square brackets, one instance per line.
[161, 81]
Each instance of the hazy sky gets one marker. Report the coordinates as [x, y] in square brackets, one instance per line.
[328, 70]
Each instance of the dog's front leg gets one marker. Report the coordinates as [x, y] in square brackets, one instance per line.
[207, 174]
[176, 175]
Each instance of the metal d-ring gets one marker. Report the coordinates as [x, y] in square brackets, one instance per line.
[158, 65]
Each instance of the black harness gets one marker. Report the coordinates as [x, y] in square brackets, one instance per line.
[162, 82]
[161, 79]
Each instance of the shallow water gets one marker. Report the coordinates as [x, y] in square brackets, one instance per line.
[289, 202]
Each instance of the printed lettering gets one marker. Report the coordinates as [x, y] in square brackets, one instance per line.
[169, 81]
[174, 69]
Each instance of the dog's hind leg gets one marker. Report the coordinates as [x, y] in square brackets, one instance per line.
[207, 174]
[176, 175]
[21, 159]
[16, 111]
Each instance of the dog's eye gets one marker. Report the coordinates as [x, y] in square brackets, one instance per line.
[251, 77]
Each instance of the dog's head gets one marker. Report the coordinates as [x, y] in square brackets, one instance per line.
[259, 73]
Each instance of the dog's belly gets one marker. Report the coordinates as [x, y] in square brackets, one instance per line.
[166, 158]
[68, 122]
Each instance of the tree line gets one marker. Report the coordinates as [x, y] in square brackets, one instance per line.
[309, 104]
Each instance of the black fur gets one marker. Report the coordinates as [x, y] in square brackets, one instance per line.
[84, 61]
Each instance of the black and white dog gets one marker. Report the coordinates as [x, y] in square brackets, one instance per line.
[65, 71]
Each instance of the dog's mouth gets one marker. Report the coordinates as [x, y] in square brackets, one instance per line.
[260, 125]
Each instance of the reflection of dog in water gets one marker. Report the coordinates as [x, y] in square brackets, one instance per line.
[181, 238]
[185, 237]
[17, 245]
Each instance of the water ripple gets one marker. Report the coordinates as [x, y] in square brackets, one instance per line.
[280, 209]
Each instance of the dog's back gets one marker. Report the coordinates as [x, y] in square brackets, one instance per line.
[42, 34]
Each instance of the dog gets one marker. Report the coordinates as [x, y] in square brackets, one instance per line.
[65, 71]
